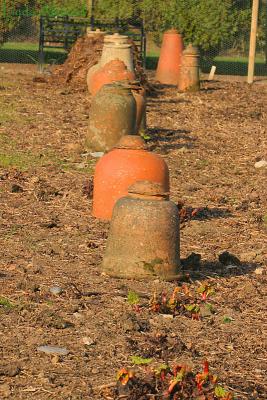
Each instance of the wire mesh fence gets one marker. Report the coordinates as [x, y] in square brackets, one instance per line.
[21, 33]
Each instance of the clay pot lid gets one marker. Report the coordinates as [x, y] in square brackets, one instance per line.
[131, 142]
[148, 188]
[191, 50]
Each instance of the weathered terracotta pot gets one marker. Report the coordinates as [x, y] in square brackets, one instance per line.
[170, 58]
[122, 51]
[113, 71]
[112, 115]
[113, 50]
[143, 241]
[127, 163]
[189, 74]
[90, 73]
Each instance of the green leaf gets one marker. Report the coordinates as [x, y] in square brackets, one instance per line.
[162, 367]
[220, 391]
[192, 308]
[140, 360]
[227, 320]
[133, 297]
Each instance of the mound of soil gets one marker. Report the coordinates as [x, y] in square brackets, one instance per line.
[85, 53]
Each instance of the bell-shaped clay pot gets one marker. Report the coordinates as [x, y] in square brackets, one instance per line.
[91, 73]
[122, 51]
[113, 71]
[143, 241]
[112, 115]
[127, 163]
[170, 58]
[115, 47]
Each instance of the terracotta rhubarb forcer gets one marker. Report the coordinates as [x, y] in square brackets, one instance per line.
[143, 241]
[112, 115]
[122, 51]
[113, 71]
[115, 47]
[170, 58]
[189, 75]
[127, 163]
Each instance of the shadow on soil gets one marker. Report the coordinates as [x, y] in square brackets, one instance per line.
[165, 139]
[201, 213]
[227, 265]
[168, 101]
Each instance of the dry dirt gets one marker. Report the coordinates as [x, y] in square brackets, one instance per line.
[211, 141]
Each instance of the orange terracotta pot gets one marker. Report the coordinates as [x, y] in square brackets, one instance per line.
[170, 58]
[113, 71]
[127, 163]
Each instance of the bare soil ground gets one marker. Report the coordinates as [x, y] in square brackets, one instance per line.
[211, 141]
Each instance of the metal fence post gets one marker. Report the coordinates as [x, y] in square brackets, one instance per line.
[41, 45]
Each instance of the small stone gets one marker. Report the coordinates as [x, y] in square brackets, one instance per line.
[167, 316]
[260, 164]
[97, 154]
[56, 290]
[259, 271]
[62, 351]
[87, 341]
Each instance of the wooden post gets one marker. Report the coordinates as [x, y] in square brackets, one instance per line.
[89, 8]
[253, 40]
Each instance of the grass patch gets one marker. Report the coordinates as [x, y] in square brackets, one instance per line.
[28, 53]
[22, 161]
[6, 304]
[225, 65]
[26, 160]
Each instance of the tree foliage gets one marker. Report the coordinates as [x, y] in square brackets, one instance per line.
[211, 24]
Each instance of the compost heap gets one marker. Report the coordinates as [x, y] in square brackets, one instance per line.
[85, 53]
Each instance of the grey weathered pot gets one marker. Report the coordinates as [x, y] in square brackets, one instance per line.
[112, 115]
[143, 241]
